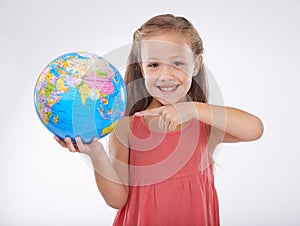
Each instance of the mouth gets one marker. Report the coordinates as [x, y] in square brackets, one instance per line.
[168, 89]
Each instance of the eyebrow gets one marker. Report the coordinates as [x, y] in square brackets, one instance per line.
[158, 58]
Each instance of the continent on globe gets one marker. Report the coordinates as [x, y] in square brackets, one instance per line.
[80, 94]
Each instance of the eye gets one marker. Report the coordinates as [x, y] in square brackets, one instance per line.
[153, 65]
[178, 64]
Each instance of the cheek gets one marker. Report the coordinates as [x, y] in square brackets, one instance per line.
[186, 79]
[188, 84]
[148, 79]
[149, 82]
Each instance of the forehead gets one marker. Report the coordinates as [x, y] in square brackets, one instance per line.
[165, 46]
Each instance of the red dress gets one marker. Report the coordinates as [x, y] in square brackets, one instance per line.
[171, 178]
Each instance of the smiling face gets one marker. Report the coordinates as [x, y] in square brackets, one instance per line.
[168, 65]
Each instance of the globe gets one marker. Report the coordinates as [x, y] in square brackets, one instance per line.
[80, 94]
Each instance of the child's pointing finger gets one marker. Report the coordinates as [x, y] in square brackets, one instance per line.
[149, 112]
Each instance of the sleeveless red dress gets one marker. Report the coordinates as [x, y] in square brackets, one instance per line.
[171, 178]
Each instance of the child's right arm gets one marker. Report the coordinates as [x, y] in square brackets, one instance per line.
[111, 174]
[111, 177]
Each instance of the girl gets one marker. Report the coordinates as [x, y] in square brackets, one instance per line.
[160, 168]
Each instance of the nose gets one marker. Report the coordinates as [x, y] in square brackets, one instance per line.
[166, 71]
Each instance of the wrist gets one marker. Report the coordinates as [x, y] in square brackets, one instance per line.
[98, 153]
[193, 109]
[187, 110]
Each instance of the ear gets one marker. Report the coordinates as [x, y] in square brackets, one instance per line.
[198, 62]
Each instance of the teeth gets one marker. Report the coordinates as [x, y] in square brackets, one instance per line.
[168, 89]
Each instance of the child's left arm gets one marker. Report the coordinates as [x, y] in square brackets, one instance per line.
[237, 125]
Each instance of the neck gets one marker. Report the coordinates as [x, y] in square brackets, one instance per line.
[155, 103]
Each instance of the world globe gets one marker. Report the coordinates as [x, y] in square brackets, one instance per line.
[80, 94]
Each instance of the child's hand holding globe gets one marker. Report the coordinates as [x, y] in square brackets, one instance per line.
[80, 95]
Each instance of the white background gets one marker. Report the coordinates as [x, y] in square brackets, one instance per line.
[252, 48]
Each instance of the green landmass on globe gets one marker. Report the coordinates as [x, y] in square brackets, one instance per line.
[80, 94]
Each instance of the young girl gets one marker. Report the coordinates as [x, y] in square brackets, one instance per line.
[160, 168]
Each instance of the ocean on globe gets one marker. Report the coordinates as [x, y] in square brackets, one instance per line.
[80, 94]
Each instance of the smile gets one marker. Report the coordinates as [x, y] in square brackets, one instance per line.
[167, 89]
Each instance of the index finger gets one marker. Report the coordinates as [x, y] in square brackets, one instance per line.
[70, 145]
[149, 112]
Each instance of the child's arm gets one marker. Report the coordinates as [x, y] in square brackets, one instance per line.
[112, 185]
[111, 176]
[237, 125]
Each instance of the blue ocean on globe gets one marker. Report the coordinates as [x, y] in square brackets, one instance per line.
[80, 94]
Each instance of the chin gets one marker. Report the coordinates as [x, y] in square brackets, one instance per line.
[168, 102]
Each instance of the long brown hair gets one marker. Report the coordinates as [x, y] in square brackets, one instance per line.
[138, 96]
